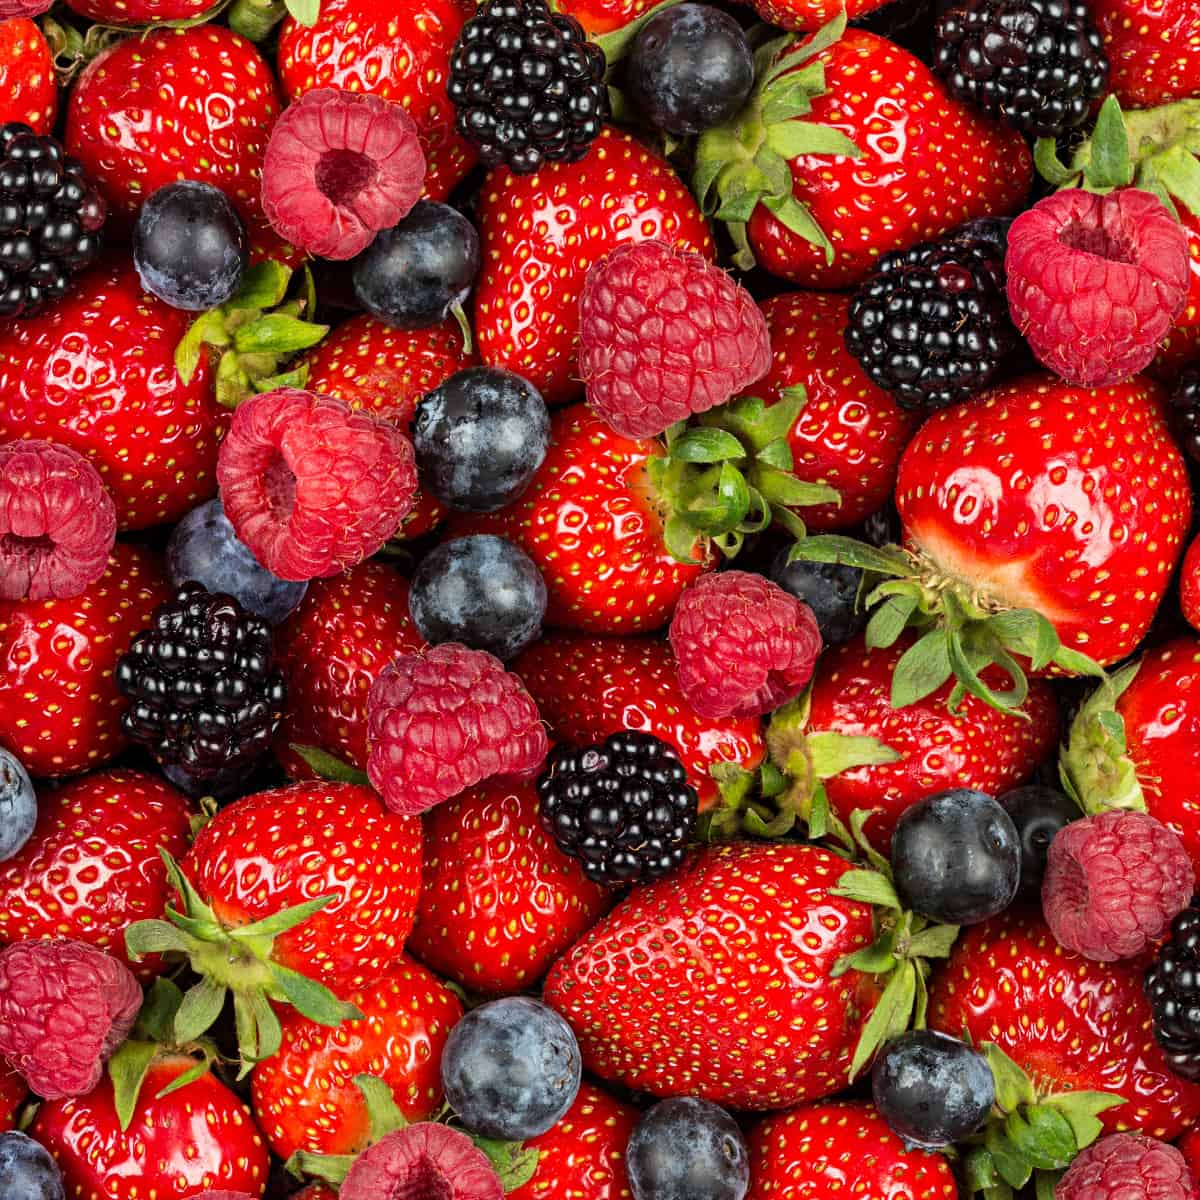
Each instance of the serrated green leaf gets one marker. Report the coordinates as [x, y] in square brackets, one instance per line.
[776, 174]
[741, 194]
[790, 98]
[831, 753]
[793, 215]
[858, 822]
[1026, 632]
[282, 921]
[832, 548]
[331, 768]
[264, 285]
[383, 1113]
[733, 492]
[890, 619]
[935, 942]
[1179, 173]
[779, 487]
[195, 1072]
[127, 1069]
[706, 445]
[155, 937]
[1081, 1109]
[778, 455]
[201, 1006]
[680, 539]
[312, 999]
[876, 959]
[921, 669]
[156, 1017]
[1012, 1166]
[269, 1035]
[305, 12]
[818, 813]
[1110, 165]
[868, 887]
[967, 660]
[1075, 663]
[979, 1169]
[795, 139]
[1043, 1136]
[890, 1018]
[1013, 1086]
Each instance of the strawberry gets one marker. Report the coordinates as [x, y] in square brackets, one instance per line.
[399, 52]
[96, 372]
[140, 12]
[60, 710]
[589, 687]
[1183, 342]
[811, 14]
[1189, 585]
[103, 833]
[1189, 1147]
[29, 91]
[541, 233]
[880, 137]
[12, 1096]
[605, 16]
[499, 900]
[1151, 49]
[305, 1098]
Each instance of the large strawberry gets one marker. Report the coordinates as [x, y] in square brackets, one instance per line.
[60, 710]
[28, 92]
[1151, 49]
[115, 13]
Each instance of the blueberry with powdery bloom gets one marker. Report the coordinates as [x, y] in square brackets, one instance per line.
[688, 1149]
[27, 1172]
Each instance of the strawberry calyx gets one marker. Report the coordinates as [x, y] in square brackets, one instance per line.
[329, 767]
[254, 19]
[72, 50]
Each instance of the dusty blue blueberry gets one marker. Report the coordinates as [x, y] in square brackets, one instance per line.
[1038, 812]
[687, 1149]
[18, 806]
[829, 589]
[27, 1172]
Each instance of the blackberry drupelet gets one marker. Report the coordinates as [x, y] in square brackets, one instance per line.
[624, 808]
[931, 325]
[1185, 410]
[528, 85]
[50, 221]
[1037, 64]
[206, 693]
[1173, 986]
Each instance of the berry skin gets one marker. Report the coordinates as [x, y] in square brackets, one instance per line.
[1151, 49]
[1038, 813]
[445, 719]
[64, 1008]
[742, 645]
[1095, 283]
[688, 1149]
[57, 522]
[31, 93]
[27, 1172]
[1185, 410]
[1189, 585]
[1123, 1164]
[830, 590]
[311, 485]
[956, 857]
[480, 437]
[18, 806]
[1172, 988]
[423, 1159]
[665, 334]
[1113, 884]
[511, 1069]
[481, 591]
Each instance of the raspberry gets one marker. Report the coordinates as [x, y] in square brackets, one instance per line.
[339, 167]
[422, 1160]
[57, 522]
[743, 646]
[442, 720]
[311, 486]
[24, 8]
[1113, 884]
[1126, 1165]
[665, 334]
[1096, 282]
[64, 1008]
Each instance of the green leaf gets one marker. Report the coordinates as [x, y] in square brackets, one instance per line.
[921, 669]
[383, 1113]
[513, 1162]
[935, 942]
[156, 1017]
[264, 285]
[616, 44]
[706, 445]
[876, 959]
[1075, 663]
[1043, 1136]
[793, 215]
[1046, 1184]
[1013, 1086]
[780, 487]
[890, 1018]
[270, 1032]
[980, 1170]
[967, 660]
[1013, 1167]
[734, 492]
[794, 139]
[832, 548]
[331, 768]
[197, 1071]
[818, 814]
[776, 175]
[1080, 1109]
[1026, 632]
[858, 821]
[831, 752]
[790, 98]
[1049, 166]
[312, 999]
[246, 1026]
[1110, 164]
[305, 12]
[155, 937]
[208, 329]
[202, 1005]
[278, 334]
[890, 619]
[282, 921]
[1179, 173]
[868, 887]
[680, 539]
[127, 1069]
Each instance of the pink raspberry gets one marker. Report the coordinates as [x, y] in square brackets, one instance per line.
[1096, 282]
[422, 1160]
[665, 334]
[57, 522]
[1123, 1166]
[24, 8]
[64, 1008]
[312, 486]
[1113, 884]
[442, 720]
[743, 646]
[339, 167]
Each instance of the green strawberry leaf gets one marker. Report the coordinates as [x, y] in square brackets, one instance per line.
[935, 942]
[831, 753]
[333, 769]
[312, 999]
[201, 1006]
[891, 618]
[921, 669]
[383, 1113]
[1013, 1086]
[1080, 1109]
[890, 1018]
[281, 921]
[127, 1070]
[833, 548]
[154, 937]
[514, 1162]
[195, 1072]
[305, 12]
[868, 887]
[706, 445]
[1110, 165]
[1043, 1136]
[1011, 1165]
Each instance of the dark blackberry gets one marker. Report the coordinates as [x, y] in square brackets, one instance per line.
[528, 85]
[1173, 987]
[1185, 410]
[50, 221]
[1037, 64]
[206, 692]
[624, 808]
[931, 325]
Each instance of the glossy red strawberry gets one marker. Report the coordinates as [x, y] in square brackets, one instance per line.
[811, 14]
[96, 372]
[92, 865]
[305, 1097]
[603, 16]
[60, 710]
[541, 233]
[499, 901]
[12, 1095]
[140, 12]
[1151, 49]
[1189, 584]
[29, 92]
[670, 992]
[1183, 342]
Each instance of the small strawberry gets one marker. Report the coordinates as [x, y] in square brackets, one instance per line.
[29, 91]
[1151, 49]
[605, 16]
[140, 12]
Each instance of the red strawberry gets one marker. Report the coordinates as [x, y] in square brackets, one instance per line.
[1151, 49]
[12, 1095]
[540, 234]
[499, 900]
[305, 1097]
[1183, 342]
[60, 710]
[92, 865]
[399, 52]
[29, 92]
[1189, 1147]
[96, 372]
[603, 16]
[811, 14]
[1189, 584]
[140, 12]
[589, 687]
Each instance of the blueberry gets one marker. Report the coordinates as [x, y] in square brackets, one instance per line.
[956, 857]
[1038, 813]
[687, 1149]
[932, 1089]
[829, 589]
[189, 246]
[690, 69]
[27, 1172]
[420, 271]
[481, 591]
[511, 1068]
[18, 806]
[204, 548]
[480, 438]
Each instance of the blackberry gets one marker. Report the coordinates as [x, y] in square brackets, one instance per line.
[624, 808]
[1037, 64]
[528, 85]
[50, 221]
[1185, 410]
[206, 692]
[1173, 987]
[931, 324]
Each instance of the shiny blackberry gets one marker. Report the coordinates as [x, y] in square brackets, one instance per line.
[623, 808]
[1173, 987]
[931, 324]
[1037, 64]
[206, 694]
[1185, 410]
[50, 221]
[528, 85]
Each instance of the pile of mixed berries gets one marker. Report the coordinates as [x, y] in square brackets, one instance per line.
[599, 599]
